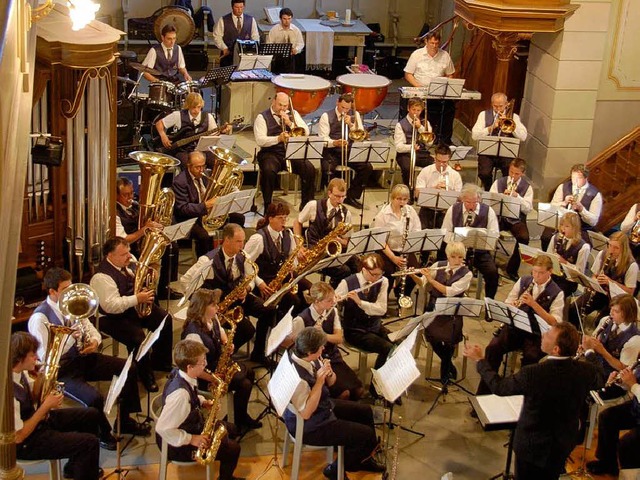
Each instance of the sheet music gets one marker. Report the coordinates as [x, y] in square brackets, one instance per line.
[501, 409]
[459, 152]
[396, 375]
[283, 384]
[528, 254]
[198, 278]
[280, 332]
[615, 289]
[181, 314]
[542, 323]
[413, 324]
[150, 339]
[495, 146]
[549, 215]
[179, 230]
[408, 342]
[285, 288]
[117, 384]
[581, 278]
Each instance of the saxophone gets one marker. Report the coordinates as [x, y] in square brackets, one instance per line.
[239, 291]
[327, 246]
[288, 268]
[227, 368]
[216, 432]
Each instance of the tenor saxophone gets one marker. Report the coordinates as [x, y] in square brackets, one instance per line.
[240, 290]
[212, 429]
[327, 246]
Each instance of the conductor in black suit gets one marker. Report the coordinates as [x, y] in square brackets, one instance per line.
[554, 392]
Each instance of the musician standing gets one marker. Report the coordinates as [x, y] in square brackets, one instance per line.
[234, 26]
[403, 134]
[488, 125]
[554, 392]
[323, 217]
[271, 130]
[440, 176]
[517, 186]
[471, 212]
[287, 32]
[78, 366]
[614, 264]
[631, 226]
[331, 128]
[423, 66]
[167, 58]
[535, 293]
[580, 196]
[114, 284]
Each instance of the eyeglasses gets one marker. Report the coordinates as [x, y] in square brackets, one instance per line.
[202, 364]
[375, 274]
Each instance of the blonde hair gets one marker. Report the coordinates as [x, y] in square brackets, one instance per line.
[572, 219]
[400, 190]
[626, 259]
[455, 248]
[543, 261]
[337, 184]
[320, 290]
[193, 100]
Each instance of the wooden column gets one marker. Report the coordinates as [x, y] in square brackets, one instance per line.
[504, 44]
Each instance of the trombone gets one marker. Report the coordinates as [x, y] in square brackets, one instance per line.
[425, 139]
[295, 131]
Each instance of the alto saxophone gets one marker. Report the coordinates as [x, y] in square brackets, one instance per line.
[286, 273]
[240, 290]
[327, 246]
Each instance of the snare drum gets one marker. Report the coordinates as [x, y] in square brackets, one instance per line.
[185, 88]
[368, 90]
[307, 92]
[161, 95]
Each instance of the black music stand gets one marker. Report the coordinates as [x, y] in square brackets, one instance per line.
[437, 200]
[303, 148]
[496, 146]
[216, 77]
[280, 53]
[143, 349]
[368, 240]
[549, 215]
[368, 152]
[512, 316]
[443, 88]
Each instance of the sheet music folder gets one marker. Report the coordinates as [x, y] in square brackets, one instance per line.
[497, 413]
[446, 88]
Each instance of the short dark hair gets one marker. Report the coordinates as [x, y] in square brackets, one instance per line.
[111, 244]
[273, 210]
[186, 352]
[442, 149]
[580, 167]
[122, 182]
[434, 34]
[229, 231]
[346, 97]
[568, 339]
[54, 277]
[309, 341]
[519, 163]
[22, 344]
[168, 28]
[286, 11]
[372, 260]
[233, 2]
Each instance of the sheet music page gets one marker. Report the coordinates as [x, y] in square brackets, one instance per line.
[198, 279]
[117, 384]
[408, 342]
[179, 230]
[278, 333]
[501, 409]
[542, 323]
[181, 314]
[150, 339]
[396, 375]
[615, 289]
[408, 328]
[283, 384]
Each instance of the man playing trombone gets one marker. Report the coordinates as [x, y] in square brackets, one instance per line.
[340, 127]
[415, 133]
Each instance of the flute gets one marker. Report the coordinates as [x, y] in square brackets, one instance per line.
[414, 270]
[358, 290]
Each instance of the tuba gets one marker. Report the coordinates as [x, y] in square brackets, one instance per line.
[148, 269]
[77, 302]
[225, 178]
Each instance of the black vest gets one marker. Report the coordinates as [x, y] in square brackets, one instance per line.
[587, 198]
[220, 278]
[488, 121]
[635, 404]
[231, 33]
[331, 350]
[24, 399]
[522, 188]
[210, 339]
[480, 221]
[129, 220]
[321, 226]
[570, 254]
[273, 130]
[123, 282]
[45, 309]
[441, 276]
[186, 121]
[545, 299]
[354, 317]
[614, 345]
[270, 260]
[168, 67]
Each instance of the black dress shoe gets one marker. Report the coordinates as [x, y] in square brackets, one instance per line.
[372, 465]
[249, 425]
[109, 443]
[67, 471]
[353, 202]
[131, 427]
[331, 472]
[150, 384]
[598, 467]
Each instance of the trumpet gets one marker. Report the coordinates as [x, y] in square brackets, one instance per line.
[575, 191]
[511, 186]
[444, 178]
[357, 134]
[529, 290]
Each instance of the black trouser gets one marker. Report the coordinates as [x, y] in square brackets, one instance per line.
[508, 340]
[430, 217]
[203, 241]
[346, 380]
[271, 163]
[241, 385]
[127, 328]
[337, 274]
[76, 372]
[331, 158]
[423, 159]
[375, 342]
[389, 267]
[253, 306]
[485, 264]
[353, 429]
[444, 333]
[440, 114]
[610, 447]
[521, 233]
[66, 433]
[486, 164]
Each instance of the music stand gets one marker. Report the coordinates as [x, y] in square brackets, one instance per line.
[278, 51]
[143, 349]
[436, 199]
[209, 142]
[234, 202]
[303, 148]
[580, 278]
[444, 88]
[198, 279]
[505, 206]
[368, 152]
[511, 316]
[368, 240]
[253, 62]
[174, 233]
[598, 241]
[528, 254]
[496, 146]
[216, 77]
[459, 153]
[475, 238]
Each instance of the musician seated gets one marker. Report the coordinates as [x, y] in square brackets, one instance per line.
[114, 284]
[536, 293]
[517, 186]
[631, 226]
[569, 245]
[447, 279]
[323, 315]
[329, 421]
[323, 216]
[489, 124]
[203, 326]
[402, 219]
[81, 362]
[611, 447]
[337, 135]
[181, 421]
[440, 176]
[229, 269]
[404, 132]
[49, 431]
[167, 58]
[364, 309]
[187, 122]
[287, 32]
[270, 247]
[272, 129]
[615, 264]
[471, 212]
[231, 27]
[580, 196]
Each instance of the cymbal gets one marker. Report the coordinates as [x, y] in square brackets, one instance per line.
[144, 69]
[126, 80]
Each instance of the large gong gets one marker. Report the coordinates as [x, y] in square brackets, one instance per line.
[178, 17]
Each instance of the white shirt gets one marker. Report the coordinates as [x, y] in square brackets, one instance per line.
[425, 68]
[457, 287]
[298, 322]
[218, 31]
[387, 218]
[308, 213]
[173, 120]
[302, 392]
[260, 129]
[203, 270]
[255, 245]
[324, 128]
[557, 306]
[400, 139]
[292, 35]
[150, 59]
[583, 253]
[110, 299]
[177, 407]
[447, 223]
[37, 327]
[374, 309]
[526, 202]
[629, 220]
[630, 350]
[630, 277]
[480, 131]
[429, 177]
[590, 216]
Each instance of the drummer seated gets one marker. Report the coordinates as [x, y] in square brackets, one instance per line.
[338, 127]
[187, 122]
[166, 58]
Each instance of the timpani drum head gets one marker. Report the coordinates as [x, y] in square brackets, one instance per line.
[363, 80]
[179, 18]
[307, 92]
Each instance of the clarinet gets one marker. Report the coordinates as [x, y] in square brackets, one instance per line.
[404, 300]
